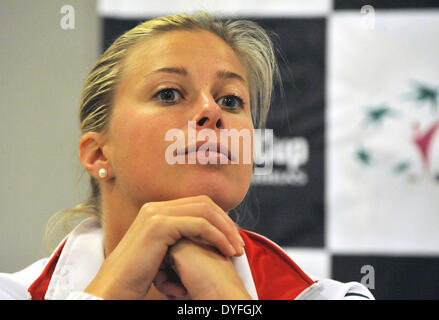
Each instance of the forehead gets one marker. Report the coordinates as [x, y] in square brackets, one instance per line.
[182, 48]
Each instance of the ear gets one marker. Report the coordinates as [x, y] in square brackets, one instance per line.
[92, 156]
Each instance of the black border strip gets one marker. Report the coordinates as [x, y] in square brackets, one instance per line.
[385, 4]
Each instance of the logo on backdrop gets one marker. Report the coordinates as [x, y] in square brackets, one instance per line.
[423, 134]
[288, 156]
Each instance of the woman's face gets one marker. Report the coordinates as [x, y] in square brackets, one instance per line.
[167, 81]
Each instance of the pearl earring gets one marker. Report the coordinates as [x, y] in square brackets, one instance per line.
[102, 173]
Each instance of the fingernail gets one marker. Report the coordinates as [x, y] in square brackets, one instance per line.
[242, 240]
[232, 250]
[240, 251]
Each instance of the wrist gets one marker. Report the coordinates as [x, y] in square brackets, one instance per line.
[111, 289]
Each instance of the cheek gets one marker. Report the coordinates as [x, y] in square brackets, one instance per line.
[139, 147]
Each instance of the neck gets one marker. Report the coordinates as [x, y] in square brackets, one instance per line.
[118, 213]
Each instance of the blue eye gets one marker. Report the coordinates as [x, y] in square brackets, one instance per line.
[231, 102]
[168, 95]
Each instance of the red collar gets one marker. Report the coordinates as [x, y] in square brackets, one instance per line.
[38, 288]
[275, 275]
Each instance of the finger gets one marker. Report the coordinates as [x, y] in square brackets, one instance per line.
[209, 213]
[192, 227]
[200, 206]
[201, 199]
[226, 216]
[168, 283]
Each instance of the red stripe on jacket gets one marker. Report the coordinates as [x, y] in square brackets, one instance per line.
[275, 275]
[39, 287]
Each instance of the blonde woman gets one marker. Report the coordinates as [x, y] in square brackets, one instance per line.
[161, 230]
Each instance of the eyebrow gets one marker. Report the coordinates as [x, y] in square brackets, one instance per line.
[181, 71]
[223, 74]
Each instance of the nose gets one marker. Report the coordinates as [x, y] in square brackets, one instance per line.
[209, 115]
[206, 122]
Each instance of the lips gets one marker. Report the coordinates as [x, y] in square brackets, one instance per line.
[209, 146]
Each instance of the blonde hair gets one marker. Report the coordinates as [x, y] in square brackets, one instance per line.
[250, 42]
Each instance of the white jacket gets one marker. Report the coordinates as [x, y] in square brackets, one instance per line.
[267, 272]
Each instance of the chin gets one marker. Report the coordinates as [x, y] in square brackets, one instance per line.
[226, 202]
[225, 194]
[227, 187]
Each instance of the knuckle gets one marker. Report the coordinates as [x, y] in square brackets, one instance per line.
[156, 225]
[148, 209]
[147, 206]
[205, 198]
[157, 221]
[204, 226]
[206, 208]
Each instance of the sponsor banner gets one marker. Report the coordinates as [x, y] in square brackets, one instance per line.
[383, 132]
